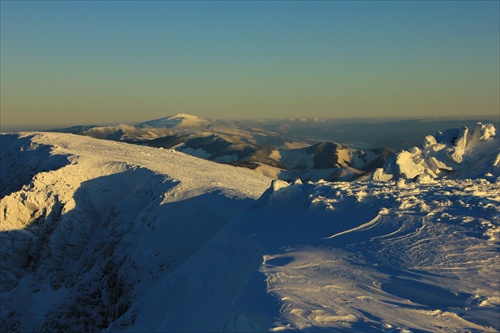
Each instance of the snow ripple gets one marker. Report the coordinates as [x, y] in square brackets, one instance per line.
[423, 263]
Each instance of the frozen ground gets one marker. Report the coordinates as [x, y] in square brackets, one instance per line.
[343, 257]
[89, 225]
[99, 235]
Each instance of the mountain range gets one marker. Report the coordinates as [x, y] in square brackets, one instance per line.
[105, 235]
[271, 150]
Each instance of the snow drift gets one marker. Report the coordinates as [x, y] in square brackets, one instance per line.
[106, 236]
[91, 225]
[341, 257]
[454, 153]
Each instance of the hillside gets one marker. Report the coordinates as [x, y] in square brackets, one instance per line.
[94, 224]
[279, 157]
[308, 149]
[341, 257]
[100, 235]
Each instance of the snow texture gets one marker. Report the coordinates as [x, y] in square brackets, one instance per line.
[454, 153]
[99, 235]
[90, 225]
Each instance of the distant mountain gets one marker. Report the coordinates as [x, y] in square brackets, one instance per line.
[365, 133]
[261, 150]
[176, 125]
[104, 236]
[324, 160]
[177, 121]
[283, 149]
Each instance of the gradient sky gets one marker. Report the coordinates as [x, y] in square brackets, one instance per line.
[92, 62]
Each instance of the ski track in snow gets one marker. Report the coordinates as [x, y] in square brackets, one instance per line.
[127, 238]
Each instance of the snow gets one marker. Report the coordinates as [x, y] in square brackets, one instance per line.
[297, 159]
[194, 152]
[178, 120]
[108, 223]
[409, 257]
[201, 153]
[344, 257]
[454, 153]
[100, 235]
[328, 160]
[268, 171]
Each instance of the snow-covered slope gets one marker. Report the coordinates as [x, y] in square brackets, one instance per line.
[341, 257]
[178, 120]
[454, 153]
[101, 222]
[325, 160]
[102, 235]
[124, 132]
[177, 125]
[330, 161]
[262, 151]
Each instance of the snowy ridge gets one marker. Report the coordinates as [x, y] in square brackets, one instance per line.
[255, 148]
[149, 130]
[82, 239]
[124, 132]
[341, 257]
[331, 161]
[455, 153]
[178, 120]
[101, 235]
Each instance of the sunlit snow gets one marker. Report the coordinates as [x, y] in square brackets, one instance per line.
[104, 236]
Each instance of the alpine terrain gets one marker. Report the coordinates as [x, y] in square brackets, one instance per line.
[106, 235]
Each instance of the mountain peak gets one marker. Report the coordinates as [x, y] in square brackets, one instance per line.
[181, 116]
[177, 120]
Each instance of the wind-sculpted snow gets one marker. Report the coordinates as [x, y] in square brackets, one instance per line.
[81, 241]
[454, 153]
[341, 257]
[385, 257]
[125, 238]
[20, 168]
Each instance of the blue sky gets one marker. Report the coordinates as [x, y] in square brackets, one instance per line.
[92, 62]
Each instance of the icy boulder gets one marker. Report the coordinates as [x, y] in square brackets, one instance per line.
[454, 153]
